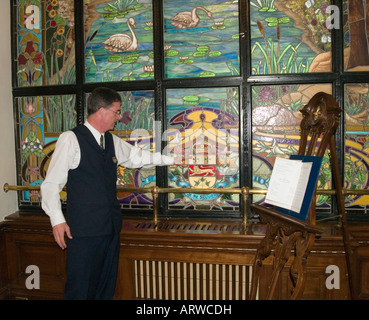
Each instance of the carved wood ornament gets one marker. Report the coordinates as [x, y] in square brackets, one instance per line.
[287, 236]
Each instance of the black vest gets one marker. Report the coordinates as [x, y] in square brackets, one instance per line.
[92, 205]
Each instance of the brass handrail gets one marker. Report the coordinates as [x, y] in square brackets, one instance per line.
[244, 192]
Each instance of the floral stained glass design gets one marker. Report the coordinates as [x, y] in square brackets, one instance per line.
[37, 135]
[45, 42]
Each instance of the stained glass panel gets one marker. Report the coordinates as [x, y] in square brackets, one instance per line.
[118, 41]
[45, 42]
[39, 122]
[136, 126]
[201, 40]
[290, 37]
[204, 125]
[357, 143]
[355, 45]
[275, 131]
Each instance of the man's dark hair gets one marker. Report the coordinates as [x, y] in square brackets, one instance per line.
[101, 97]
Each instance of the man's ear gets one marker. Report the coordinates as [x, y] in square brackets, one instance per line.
[101, 111]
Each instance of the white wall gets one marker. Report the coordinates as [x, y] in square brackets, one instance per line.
[8, 200]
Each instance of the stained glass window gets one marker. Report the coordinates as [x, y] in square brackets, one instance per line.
[262, 60]
[355, 45]
[203, 124]
[201, 40]
[119, 41]
[275, 131]
[39, 122]
[45, 43]
[137, 127]
[356, 143]
[290, 37]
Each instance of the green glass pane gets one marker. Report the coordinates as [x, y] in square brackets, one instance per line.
[290, 37]
[201, 41]
[119, 41]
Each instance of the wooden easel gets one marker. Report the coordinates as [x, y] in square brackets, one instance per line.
[286, 234]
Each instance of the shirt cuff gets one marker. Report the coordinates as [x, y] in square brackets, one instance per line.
[56, 218]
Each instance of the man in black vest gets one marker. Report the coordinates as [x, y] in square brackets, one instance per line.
[85, 159]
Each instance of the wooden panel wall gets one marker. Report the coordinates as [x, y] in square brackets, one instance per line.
[174, 260]
[3, 267]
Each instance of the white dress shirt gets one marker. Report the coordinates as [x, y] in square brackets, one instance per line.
[67, 156]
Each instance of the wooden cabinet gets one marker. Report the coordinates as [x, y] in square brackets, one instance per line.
[215, 265]
[360, 232]
[3, 267]
[28, 242]
[174, 260]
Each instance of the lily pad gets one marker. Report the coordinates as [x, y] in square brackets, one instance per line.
[187, 61]
[221, 27]
[273, 21]
[130, 58]
[267, 9]
[171, 53]
[128, 78]
[202, 48]
[108, 16]
[146, 75]
[199, 54]
[114, 58]
[215, 53]
[207, 74]
[191, 100]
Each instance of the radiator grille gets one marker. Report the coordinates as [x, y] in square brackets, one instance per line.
[191, 281]
[224, 228]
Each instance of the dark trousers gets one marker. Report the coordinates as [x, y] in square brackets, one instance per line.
[91, 267]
